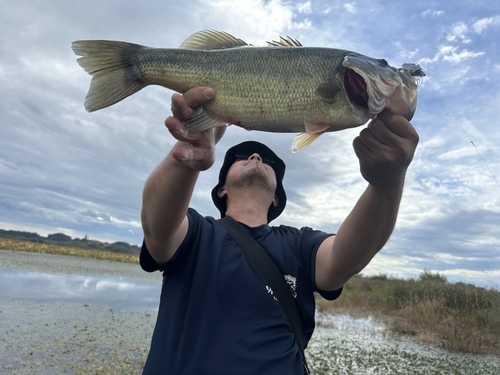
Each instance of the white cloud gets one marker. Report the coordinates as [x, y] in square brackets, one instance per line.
[450, 54]
[488, 279]
[326, 11]
[304, 7]
[351, 8]
[485, 23]
[458, 154]
[458, 32]
[262, 20]
[457, 57]
[432, 13]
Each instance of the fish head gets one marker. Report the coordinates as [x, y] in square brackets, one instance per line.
[372, 85]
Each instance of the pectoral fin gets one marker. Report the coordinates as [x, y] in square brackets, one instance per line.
[313, 132]
[200, 120]
[327, 92]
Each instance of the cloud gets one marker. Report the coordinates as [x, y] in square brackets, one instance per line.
[304, 7]
[351, 8]
[451, 54]
[483, 24]
[432, 13]
[459, 32]
[458, 154]
[263, 20]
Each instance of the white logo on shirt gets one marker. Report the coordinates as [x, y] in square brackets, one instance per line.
[292, 284]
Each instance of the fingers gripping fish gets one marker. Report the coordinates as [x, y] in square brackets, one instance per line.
[283, 87]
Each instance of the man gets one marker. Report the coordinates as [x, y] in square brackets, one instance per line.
[216, 314]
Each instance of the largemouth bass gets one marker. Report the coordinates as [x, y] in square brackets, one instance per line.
[283, 87]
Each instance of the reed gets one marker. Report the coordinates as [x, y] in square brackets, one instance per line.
[457, 316]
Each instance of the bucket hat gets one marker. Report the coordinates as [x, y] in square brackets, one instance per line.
[245, 150]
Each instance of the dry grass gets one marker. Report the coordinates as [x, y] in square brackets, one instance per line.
[34, 247]
[458, 317]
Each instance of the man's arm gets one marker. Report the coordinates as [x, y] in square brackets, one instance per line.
[169, 188]
[385, 150]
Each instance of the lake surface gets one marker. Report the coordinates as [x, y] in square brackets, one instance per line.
[119, 293]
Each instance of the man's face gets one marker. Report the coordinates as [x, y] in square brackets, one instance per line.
[250, 171]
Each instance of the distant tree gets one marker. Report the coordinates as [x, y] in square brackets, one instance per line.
[62, 239]
[15, 234]
[58, 237]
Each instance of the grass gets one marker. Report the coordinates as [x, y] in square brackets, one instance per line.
[459, 317]
[34, 247]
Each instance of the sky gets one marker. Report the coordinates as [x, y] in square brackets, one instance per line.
[63, 169]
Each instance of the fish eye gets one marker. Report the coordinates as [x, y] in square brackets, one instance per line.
[383, 62]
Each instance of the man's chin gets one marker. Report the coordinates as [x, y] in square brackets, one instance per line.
[253, 178]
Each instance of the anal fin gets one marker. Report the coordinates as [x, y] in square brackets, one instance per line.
[303, 140]
[313, 132]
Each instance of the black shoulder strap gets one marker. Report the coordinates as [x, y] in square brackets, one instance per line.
[273, 276]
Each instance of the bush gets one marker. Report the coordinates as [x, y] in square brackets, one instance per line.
[429, 276]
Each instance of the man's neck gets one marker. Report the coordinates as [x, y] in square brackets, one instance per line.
[248, 214]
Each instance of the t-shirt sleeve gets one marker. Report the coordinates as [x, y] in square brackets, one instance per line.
[147, 262]
[309, 246]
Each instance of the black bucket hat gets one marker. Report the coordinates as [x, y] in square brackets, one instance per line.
[245, 150]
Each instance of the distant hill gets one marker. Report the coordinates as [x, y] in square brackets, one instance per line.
[65, 240]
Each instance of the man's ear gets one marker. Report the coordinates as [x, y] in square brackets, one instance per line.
[221, 193]
[275, 201]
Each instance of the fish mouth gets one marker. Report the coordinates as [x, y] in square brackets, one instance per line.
[356, 88]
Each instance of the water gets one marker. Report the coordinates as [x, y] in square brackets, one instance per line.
[62, 314]
[119, 293]
[348, 345]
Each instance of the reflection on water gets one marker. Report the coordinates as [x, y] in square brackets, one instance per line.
[114, 292]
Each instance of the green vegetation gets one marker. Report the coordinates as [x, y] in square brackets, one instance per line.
[61, 239]
[35, 247]
[459, 317]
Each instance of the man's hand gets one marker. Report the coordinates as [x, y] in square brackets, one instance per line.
[385, 150]
[195, 149]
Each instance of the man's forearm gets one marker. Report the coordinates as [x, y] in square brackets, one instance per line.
[366, 229]
[166, 198]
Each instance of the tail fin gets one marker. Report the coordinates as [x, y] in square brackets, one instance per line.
[113, 75]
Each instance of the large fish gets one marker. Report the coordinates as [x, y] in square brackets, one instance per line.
[283, 87]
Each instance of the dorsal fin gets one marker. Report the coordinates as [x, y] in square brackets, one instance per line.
[212, 39]
[288, 42]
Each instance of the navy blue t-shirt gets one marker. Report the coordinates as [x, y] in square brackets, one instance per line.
[217, 316]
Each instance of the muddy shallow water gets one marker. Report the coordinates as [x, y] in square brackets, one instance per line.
[69, 315]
